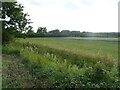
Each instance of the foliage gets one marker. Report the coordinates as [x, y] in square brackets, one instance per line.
[7, 37]
[65, 33]
[55, 33]
[30, 33]
[14, 20]
[42, 32]
[52, 68]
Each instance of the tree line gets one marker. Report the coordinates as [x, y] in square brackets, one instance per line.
[42, 32]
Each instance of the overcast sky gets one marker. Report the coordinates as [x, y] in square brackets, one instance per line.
[79, 15]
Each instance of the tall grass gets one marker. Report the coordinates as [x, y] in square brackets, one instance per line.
[58, 68]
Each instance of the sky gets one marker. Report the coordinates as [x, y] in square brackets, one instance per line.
[78, 15]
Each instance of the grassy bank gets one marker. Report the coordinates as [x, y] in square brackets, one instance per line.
[59, 68]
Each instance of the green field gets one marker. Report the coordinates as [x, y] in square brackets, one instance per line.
[103, 48]
[67, 62]
[93, 38]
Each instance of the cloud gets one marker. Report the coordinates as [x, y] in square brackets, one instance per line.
[41, 3]
[87, 2]
[71, 6]
[36, 3]
[88, 15]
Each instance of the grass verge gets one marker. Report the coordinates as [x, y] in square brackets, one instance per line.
[55, 68]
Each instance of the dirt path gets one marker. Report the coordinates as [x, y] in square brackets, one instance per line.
[15, 74]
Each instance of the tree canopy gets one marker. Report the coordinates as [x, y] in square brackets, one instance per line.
[15, 20]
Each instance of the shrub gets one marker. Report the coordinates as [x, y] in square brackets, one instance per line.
[7, 37]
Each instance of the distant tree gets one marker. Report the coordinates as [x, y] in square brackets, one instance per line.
[14, 20]
[30, 33]
[41, 31]
[75, 33]
[55, 32]
[83, 34]
[65, 33]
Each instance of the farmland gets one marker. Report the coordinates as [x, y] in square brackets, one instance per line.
[84, 45]
[67, 62]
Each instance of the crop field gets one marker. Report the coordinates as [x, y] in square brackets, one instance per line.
[61, 62]
[91, 46]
